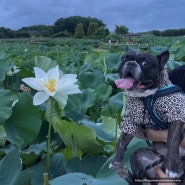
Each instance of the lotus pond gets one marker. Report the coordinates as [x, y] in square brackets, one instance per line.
[69, 138]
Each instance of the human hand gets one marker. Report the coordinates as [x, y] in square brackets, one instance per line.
[163, 175]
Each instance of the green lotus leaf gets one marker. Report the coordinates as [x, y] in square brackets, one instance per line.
[78, 136]
[24, 124]
[101, 133]
[4, 67]
[5, 105]
[89, 165]
[23, 178]
[103, 92]
[180, 53]
[81, 102]
[113, 60]
[30, 155]
[44, 63]
[10, 167]
[91, 79]
[84, 179]
[2, 135]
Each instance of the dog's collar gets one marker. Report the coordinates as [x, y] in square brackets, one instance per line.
[150, 100]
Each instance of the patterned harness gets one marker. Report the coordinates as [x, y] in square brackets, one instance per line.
[149, 101]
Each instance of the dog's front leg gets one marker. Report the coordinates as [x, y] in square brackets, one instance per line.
[117, 163]
[173, 166]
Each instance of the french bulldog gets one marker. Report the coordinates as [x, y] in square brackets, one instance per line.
[143, 76]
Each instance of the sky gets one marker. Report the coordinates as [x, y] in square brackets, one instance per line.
[136, 15]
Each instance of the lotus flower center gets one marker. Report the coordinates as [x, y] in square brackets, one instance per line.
[51, 85]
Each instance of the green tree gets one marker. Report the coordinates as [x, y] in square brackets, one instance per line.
[102, 32]
[36, 30]
[6, 33]
[172, 32]
[93, 26]
[79, 31]
[69, 24]
[121, 29]
[59, 25]
[156, 32]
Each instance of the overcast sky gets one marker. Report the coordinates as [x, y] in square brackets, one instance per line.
[137, 15]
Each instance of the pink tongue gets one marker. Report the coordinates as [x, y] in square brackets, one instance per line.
[124, 83]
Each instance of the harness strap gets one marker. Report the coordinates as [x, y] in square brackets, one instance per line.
[150, 100]
[167, 90]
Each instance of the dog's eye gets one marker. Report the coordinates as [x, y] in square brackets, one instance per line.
[145, 63]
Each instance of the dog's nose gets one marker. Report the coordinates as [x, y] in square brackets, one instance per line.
[131, 64]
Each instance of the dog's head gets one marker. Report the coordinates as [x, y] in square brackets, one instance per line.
[140, 73]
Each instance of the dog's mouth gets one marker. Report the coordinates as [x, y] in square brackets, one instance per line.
[129, 82]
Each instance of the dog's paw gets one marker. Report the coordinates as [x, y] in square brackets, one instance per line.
[174, 168]
[115, 165]
[173, 174]
[120, 169]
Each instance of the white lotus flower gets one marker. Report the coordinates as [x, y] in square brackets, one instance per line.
[50, 84]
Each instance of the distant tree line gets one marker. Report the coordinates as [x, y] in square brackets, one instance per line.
[169, 32]
[38, 30]
[76, 26]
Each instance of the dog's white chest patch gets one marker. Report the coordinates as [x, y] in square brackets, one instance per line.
[141, 94]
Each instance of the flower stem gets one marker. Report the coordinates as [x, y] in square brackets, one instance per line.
[45, 177]
[48, 138]
[116, 131]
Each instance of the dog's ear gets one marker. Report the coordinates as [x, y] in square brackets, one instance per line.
[163, 58]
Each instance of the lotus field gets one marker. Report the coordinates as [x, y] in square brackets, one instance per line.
[60, 110]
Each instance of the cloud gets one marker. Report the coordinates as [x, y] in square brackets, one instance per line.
[137, 15]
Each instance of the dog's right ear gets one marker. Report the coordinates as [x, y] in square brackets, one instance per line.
[163, 58]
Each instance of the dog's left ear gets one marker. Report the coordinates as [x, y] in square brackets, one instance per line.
[163, 58]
